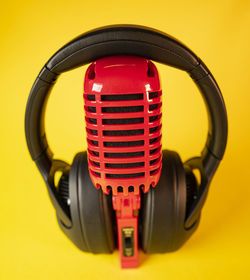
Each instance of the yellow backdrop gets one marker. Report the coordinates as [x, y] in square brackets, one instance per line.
[31, 244]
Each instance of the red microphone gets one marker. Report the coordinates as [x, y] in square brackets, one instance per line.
[122, 103]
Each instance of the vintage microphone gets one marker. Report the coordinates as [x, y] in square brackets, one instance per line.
[122, 103]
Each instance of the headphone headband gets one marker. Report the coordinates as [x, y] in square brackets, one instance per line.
[129, 40]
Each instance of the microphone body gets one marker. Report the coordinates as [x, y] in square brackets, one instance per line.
[122, 103]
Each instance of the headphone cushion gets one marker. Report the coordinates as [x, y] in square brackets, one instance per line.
[96, 212]
[90, 209]
[163, 209]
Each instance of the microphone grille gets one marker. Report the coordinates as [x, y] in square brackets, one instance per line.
[123, 127]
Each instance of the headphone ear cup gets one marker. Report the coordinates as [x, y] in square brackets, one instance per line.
[163, 209]
[91, 210]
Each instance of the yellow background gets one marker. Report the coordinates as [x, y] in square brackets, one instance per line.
[31, 244]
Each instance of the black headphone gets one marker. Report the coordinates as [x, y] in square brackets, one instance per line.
[170, 213]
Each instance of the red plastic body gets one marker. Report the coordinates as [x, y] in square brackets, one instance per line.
[122, 102]
[126, 218]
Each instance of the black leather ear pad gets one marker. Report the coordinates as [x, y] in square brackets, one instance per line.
[164, 209]
[91, 211]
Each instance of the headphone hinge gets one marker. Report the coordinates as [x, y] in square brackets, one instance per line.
[47, 76]
[199, 71]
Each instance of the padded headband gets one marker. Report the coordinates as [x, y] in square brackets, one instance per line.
[129, 40]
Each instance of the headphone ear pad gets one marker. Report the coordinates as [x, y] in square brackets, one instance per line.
[163, 209]
[91, 211]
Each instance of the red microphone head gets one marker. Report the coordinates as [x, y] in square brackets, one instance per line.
[122, 97]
